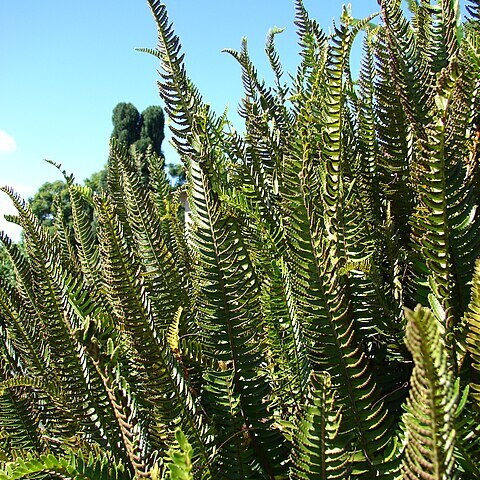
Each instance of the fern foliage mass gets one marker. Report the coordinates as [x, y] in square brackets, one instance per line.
[316, 315]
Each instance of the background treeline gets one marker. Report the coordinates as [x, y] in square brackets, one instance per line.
[139, 132]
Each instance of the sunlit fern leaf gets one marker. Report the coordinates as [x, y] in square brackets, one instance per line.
[458, 92]
[24, 331]
[252, 192]
[472, 317]
[98, 341]
[452, 31]
[179, 222]
[30, 420]
[311, 36]
[430, 409]
[445, 225]
[472, 25]
[367, 173]
[412, 79]
[268, 129]
[178, 465]
[287, 347]
[309, 89]
[169, 211]
[64, 238]
[73, 466]
[276, 65]
[335, 335]
[318, 451]
[438, 32]
[165, 286]
[262, 105]
[115, 187]
[20, 419]
[467, 441]
[339, 202]
[392, 135]
[81, 199]
[229, 312]
[59, 306]
[164, 383]
[181, 97]
[160, 186]
[336, 157]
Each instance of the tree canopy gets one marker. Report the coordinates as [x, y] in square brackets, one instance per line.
[43, 202]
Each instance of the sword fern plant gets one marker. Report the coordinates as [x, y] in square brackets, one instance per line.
[317, 316]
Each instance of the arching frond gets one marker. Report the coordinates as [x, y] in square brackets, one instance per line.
[229, 315]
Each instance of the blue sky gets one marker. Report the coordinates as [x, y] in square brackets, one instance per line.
[65, 65]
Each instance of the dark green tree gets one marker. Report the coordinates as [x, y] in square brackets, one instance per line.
[98, 180]
[151, 131]
[141, 133]
[126, 123]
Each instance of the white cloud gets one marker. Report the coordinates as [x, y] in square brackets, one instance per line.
[7, 142]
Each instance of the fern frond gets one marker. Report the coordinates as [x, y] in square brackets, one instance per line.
[20, 419]
[181, 97]
[395, 153]
[229, 315]
[445, 224]
[274, 59]
[367, 174]
[467, 441]
[412, 79]
[74, 466]
[179, 459]
[132, 306]
[60, 306]
[81, 199]
[317, 448]
[472, 318]
[430, 409]
[22, 328]
[163, 281]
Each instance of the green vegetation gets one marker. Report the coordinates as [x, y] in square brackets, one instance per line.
[138, 132]
[319, 317]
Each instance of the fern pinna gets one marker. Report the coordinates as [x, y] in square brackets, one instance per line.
[318, 314]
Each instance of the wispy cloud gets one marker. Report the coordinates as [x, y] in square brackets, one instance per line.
[7, 142]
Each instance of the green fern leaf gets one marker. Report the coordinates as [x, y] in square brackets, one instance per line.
[431, 406]
[317, 448]
[472, 318]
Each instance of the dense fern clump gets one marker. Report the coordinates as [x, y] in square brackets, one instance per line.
[316, 316]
